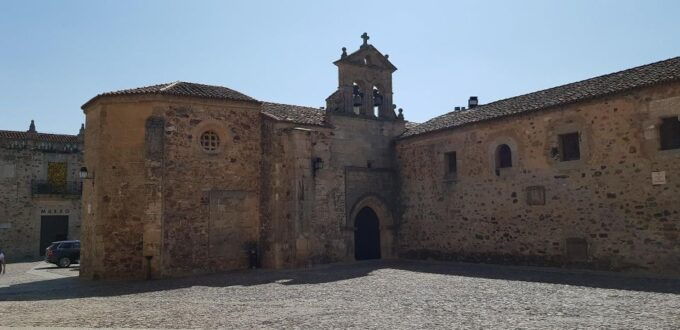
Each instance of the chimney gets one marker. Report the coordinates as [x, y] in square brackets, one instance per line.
[473, 102]
[456, 108]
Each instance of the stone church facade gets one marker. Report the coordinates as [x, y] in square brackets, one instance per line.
[185, 178]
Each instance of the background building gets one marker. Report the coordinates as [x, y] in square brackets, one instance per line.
[40, 190]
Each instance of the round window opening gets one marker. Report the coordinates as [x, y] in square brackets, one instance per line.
[210, 141]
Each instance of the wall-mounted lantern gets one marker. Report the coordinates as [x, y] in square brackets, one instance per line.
[84, 174]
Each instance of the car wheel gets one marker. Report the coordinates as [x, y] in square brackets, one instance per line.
[64, 262]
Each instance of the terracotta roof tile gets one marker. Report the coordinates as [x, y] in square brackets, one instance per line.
[181, 88]
[646, 75]
[294, 113]
[410, 124]
[18, 135]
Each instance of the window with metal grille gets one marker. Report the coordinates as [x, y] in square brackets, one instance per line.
[569, 147]
[670, 133]
[451, 165]
[210, 141]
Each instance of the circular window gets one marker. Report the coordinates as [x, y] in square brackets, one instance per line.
[210, 141]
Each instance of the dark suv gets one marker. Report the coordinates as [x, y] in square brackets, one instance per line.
[63, 253]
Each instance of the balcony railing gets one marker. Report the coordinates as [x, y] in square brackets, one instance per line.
[67, 189]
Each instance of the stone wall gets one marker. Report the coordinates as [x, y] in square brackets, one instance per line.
[160, 205]
[299, 223]
[601, 211]
[211, 200]
[23, 163]
[116, 199]
[307, 213]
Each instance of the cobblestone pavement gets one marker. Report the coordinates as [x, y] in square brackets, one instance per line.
[373, 294]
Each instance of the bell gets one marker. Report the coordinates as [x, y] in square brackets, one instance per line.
[377, 100]
[356, 100]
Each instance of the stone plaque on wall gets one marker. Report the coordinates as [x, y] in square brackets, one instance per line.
[659, 178]
[7, 171]
[577, 249]
[536, 195]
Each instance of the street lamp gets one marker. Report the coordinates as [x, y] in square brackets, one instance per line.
[317, 164]
[83, 173]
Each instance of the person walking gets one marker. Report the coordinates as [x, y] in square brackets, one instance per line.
[2, 262]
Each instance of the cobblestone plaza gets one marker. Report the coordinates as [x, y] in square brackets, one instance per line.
[370, 294]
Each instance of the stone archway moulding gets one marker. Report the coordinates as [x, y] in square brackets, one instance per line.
[385, 218]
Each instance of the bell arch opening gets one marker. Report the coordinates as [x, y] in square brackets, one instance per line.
[367, 235]
[377, 101]
[357, 97]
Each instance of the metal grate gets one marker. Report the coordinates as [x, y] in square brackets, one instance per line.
[64, 188]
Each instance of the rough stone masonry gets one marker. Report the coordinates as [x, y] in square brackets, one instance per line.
[39, 190]
[186, 178]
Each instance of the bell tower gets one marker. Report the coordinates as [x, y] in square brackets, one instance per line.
[364, 84]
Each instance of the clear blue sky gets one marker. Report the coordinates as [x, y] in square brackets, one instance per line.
[55, 55]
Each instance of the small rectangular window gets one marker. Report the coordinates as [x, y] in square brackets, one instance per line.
[569, 147]
[670, 133]
[451, 165]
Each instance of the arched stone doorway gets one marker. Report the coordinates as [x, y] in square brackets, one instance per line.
[370, 218]
[366, 235]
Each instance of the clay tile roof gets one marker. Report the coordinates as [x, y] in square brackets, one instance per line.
[18, 135]
[646, 75]
[181, 88]
[294, 113]
[410, 124]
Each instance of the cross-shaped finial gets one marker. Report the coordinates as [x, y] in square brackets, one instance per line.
[365, 37]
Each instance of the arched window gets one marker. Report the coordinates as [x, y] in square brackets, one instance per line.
[503, 156]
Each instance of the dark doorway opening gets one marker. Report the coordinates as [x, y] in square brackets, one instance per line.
[52, 228]
[366, 235]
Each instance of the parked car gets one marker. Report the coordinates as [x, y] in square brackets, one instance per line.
[63, 253]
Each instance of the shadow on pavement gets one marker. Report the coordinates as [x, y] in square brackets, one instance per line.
[57, 267]
[73, 287]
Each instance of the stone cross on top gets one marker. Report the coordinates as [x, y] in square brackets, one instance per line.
[365, 37]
